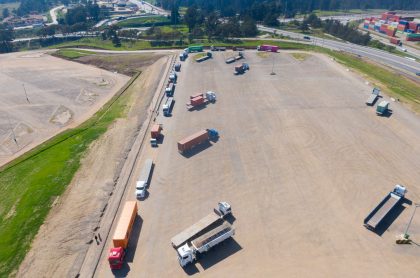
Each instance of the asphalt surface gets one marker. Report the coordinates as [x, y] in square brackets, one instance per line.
[301, 159]
[382, 57]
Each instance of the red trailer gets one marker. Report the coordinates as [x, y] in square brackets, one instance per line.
[189, 142]
[270, 48]
[196, 101]
[155, 131]
[394, 40]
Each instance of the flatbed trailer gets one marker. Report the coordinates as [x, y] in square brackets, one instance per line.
[197, 228]
[379, 213]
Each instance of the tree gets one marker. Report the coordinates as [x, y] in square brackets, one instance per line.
[271, 20]
[249, 27]
[116, 40]
[6, 38]
[190, 17]
[304, 27]
[6, 13]
[76, 15]
[211, 24]
[175, 14]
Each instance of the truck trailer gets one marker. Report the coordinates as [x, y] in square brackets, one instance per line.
[170, 89]
[382, 108]
[144, 179]
[155, 134]
[201, 99]
[196, 139]
[391, 201]
[269, 48]
[189, 251]
[122, 235]
[195, 48]
[234, 58]
[240, 69]
[167, 107]
[214, 219]
[373, 97]
[206, 57]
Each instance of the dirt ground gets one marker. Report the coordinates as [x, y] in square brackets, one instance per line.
[127, 64]
[59, 94]
[301, 159]
[62, 241]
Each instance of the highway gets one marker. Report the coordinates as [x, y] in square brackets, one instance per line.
[383, 57]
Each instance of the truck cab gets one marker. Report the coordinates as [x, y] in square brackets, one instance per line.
[141, 189]
[224, 208]
[211, 96]
[116, 257]
[186, 255]
[153, 142]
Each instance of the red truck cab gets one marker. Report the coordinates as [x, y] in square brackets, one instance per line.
[116, 257]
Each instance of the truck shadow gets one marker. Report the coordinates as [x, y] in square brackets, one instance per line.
[387, 114]
[197, 149]
[219, 253]
[230, 218]
[391, 217]
[131, 250]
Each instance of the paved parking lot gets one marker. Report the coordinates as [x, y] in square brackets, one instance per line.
[301, 159]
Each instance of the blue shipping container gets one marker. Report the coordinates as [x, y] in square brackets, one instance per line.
[366, 26]
[405, 22]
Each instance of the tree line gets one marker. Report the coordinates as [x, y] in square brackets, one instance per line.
[288, 7]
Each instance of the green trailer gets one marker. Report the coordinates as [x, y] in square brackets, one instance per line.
[382, 108]
[195, 48]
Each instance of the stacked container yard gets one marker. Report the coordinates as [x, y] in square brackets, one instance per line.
[390, 24]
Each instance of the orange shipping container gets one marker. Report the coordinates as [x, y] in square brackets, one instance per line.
[125, 225]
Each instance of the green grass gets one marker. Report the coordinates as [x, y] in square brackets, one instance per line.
[300, 56]
[101, 44]
[144, 21]
[72, 53]
[395, 85]
[32, 182]
[342, 12]
[170, 28]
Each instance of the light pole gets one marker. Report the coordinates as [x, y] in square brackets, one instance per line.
[272, 69]
[406, 235]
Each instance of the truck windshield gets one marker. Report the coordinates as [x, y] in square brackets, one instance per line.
[114, 262]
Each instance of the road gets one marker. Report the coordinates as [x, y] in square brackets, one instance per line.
[383, 57]
[149, 8]
[53, 14]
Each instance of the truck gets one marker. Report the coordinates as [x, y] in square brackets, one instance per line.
[203, 235]
[234, 58]
[188, 253]
[143, 180]
[196, 139]
[269, 48]
[167, 107]
[122, 235]
[373, 97]
[217, 48]
[170, 89]
[203, 58]
[195, 48]
[215, 218]
[201, 99]
[382, 108]
[183, 56]
[173, 77]
[240, 69]
[391, 201]
[394, 40]
[155, 134]
[239, 56]
[177, 67]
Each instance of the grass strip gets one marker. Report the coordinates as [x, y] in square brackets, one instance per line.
[32, 182]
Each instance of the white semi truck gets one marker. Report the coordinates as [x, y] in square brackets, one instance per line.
[203, 235]
[189, 251]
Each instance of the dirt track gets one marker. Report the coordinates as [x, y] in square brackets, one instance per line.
[302, 160]
[61, 244]
[59, 94]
